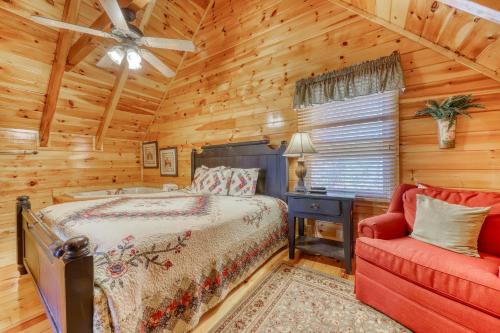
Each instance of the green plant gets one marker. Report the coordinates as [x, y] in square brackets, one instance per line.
[450, 108]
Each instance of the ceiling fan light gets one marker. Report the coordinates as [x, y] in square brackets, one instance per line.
[116, 54]
[134, 59]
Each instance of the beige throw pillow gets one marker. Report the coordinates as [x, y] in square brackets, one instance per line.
[453, 227]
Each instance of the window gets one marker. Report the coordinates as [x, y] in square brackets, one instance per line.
[357, 143]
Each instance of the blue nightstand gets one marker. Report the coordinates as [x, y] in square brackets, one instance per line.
[331, 207]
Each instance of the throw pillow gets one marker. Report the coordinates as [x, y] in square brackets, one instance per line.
[243, 182]
[453, 227]
[198, 175]
[215, 181]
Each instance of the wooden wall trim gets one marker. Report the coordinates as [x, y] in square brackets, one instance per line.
[70, 15]
[178, 68]
[437, 48]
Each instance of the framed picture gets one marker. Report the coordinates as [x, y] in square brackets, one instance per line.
[150, 154]
[168, 161]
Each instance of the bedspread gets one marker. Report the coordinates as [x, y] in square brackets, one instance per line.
[161, 260]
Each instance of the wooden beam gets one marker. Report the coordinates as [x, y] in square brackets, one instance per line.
[87, 43]
[179, 66]
[416, 38]
[118, 86]
[70, 15]
[147, 14]
[116, 92]
[475, 9]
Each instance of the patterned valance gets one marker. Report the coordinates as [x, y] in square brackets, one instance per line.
[366, 78]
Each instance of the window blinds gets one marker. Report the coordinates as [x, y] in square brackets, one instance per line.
[357, 143]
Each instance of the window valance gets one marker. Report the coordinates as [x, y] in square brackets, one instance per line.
[366, 78]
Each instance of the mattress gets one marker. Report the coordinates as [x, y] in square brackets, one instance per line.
[161, 260]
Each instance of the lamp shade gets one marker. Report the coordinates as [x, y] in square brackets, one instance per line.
[300, 145]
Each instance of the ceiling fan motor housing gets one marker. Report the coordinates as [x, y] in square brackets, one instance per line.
[128, 14]
[134, 32]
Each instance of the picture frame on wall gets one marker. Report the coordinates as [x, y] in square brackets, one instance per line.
[168, 161]
[150, 154]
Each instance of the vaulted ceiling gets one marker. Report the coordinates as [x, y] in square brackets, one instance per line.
[27, 55]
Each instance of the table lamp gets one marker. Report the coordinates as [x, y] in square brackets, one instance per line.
[300, 145]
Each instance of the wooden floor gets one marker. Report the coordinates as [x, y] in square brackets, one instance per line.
[21, 311]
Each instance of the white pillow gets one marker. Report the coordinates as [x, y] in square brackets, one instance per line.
[243, 182]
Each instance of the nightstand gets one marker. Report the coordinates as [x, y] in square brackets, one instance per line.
[331, 207]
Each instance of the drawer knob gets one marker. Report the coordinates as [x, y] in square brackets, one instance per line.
[315, 206]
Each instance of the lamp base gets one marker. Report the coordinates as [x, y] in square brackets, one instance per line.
[301, 172]
[299, 188]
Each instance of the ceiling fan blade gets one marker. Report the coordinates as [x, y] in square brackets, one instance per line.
[105, 62]
[156, 63]
[69, 26]
[166, 43]
[115, 14]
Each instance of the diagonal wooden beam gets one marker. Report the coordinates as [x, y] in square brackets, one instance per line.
[111, 104]
[118, 86]
[416, 38]
[70, 15]
[87, 43]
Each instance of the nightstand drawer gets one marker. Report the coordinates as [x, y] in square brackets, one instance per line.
[315, 206]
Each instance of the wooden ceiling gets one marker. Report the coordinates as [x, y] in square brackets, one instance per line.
[472, 40]
[27, 57]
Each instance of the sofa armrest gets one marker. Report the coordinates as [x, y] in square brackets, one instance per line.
[385, 226]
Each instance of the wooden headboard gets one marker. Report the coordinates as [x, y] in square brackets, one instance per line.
[273, 174]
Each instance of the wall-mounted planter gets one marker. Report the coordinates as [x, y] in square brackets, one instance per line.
[446, 133]
[446, 113]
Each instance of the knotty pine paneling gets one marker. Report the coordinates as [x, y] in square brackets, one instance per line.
[69, 165]
[465, 34]
[239, 87]
[27, 53]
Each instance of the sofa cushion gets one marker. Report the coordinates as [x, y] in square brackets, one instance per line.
[471, 281]
[489, 238]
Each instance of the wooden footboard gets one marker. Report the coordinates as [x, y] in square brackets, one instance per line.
[63, 271]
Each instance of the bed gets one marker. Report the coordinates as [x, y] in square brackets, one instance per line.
[154, 262]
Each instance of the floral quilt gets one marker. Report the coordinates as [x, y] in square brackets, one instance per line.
[162, 260]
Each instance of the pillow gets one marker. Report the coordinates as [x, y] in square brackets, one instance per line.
[243, 182]
[489, 238]
[213, 180]
[198, 174]
[453, 227]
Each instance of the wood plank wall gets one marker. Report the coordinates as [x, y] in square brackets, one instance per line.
[239, 87]
[69, 165]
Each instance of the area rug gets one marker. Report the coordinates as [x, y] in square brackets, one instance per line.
[294, 299]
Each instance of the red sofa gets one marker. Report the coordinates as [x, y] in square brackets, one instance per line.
[424, 287]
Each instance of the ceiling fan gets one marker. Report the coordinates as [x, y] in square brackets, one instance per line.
[130, 38]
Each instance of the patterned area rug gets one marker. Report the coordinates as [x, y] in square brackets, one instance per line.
[294, 299]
